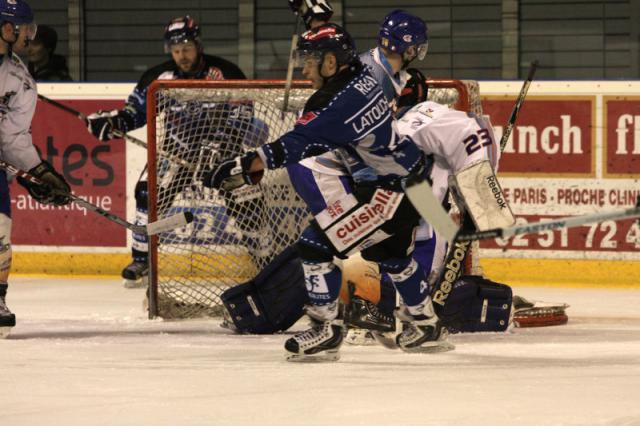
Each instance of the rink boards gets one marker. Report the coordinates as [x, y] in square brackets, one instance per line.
[575, 150]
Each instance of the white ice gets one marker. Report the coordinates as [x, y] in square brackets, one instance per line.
[83, 353]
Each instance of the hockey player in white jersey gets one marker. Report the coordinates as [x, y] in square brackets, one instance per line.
[18, 97]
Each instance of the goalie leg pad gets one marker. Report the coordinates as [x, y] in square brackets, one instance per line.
[273, 301]
[482, 196]
[477, 304]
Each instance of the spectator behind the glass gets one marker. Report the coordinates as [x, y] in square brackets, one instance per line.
[44, 64]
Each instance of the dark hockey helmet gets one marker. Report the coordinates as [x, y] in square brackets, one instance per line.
[401, 30]
[309, 10]
[19, 13]
[327, 38]
[181, 30]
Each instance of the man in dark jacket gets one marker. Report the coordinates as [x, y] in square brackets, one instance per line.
[188, 62]
[44, 64]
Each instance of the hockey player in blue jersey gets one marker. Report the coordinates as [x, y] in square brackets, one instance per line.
[18, 98]
[188, 61]
[402, 39]
[348, 112]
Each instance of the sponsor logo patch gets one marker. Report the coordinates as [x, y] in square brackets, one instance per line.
[307, 118]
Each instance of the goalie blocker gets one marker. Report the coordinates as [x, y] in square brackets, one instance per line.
[273, 301]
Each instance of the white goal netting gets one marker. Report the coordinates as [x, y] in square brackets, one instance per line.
[234, 235]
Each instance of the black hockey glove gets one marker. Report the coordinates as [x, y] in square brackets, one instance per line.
[309, 10]
[233, 174]
[102, 124]
[415, 90]
[54, 189]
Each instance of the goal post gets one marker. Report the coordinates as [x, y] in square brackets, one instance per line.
[193, 125]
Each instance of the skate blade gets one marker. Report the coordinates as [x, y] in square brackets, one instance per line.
[359, 337]
[388, 340]
[143, 282]
[324, 356]
[4, 332]
[431, 348]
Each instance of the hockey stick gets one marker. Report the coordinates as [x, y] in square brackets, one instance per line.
[421, 196]
[550, 225]
[292, 52]
[163, 225]
[116, 133]
[518, 105]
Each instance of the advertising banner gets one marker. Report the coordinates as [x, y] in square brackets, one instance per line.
[570, 155]
[95, 171]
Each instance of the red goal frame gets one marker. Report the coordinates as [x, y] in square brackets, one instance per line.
[463, 103]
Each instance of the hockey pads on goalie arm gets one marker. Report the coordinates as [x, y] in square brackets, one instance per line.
[54, 188]
[273, 301]
[234, 173]
[102, 124]
[477, 304]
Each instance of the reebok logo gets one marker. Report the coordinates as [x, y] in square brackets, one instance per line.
[497, 193]
[452, 270]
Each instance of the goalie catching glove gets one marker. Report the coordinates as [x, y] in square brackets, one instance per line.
[233, 174]
[54, 189]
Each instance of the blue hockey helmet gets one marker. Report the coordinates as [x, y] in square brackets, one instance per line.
[19, 13]
[181, 30]
[401, 30]
[15, 11]
[327, 38]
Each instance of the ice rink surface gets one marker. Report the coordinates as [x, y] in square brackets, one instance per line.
[84, 353]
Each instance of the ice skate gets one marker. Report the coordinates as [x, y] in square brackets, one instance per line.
[322, 341]
[364, 314]
[368, 325]
[7, 318]
[136, 275]
[422, 331]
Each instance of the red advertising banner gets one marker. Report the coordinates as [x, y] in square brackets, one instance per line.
[622, 136]
[95, 171]
[552, 136]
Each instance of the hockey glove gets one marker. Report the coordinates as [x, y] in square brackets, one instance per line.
[309, 10]
[103, 124]
[233, 174]
[414, 92]
[55, 189]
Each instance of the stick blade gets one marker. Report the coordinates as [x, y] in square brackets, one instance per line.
[172, 222]
[421, 196]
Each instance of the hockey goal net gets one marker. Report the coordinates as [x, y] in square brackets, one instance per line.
[193, 125]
